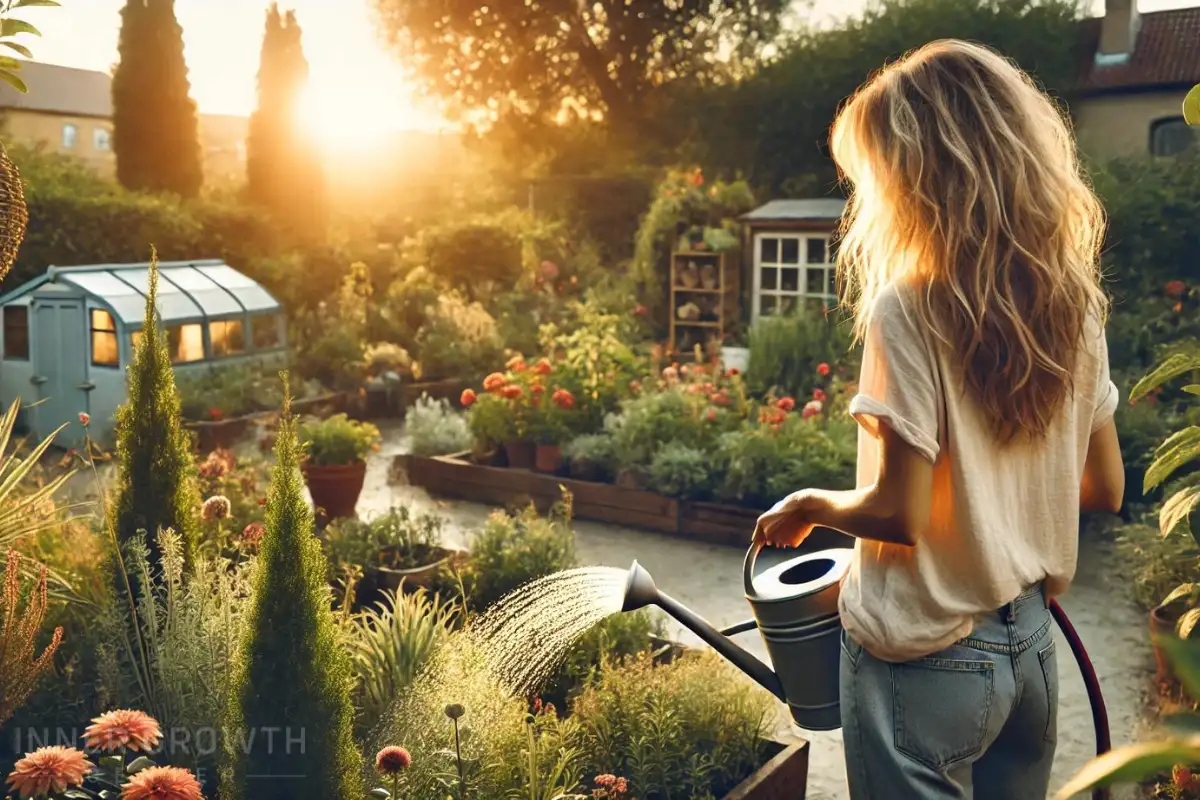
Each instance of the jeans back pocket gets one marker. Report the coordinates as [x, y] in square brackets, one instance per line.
[941, 708]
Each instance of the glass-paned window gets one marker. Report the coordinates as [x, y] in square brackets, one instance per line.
[1172, 136]
[101, 139]
[266, 332]
[104, 339]
[228, 337]
[16, 333]
[185, 343]
[70, 134]
[793, 270]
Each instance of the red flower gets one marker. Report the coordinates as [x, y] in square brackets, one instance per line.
[84, 419]
[733, 372]
[215, 414]
[391, 760]
[811, 409]
[537, 389]
[721, 399]
[468, 398]
[563, 399]
[516, 364]
[1176, 288]
[696, 178]
[822, 369]
[494, 382]
[640, 310]
[711, 416]
[819, 395]
[543, 367]
[786, 403]
[511, 392]
[635, 386]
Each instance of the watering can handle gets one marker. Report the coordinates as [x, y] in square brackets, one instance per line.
[748, 567]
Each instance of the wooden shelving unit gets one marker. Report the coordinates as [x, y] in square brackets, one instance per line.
[705, 285]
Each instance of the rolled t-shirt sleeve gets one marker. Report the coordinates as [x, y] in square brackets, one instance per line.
[898, 383]
[1106, 391]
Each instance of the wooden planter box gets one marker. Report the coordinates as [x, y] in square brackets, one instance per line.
[783, 777]
[225, 433]
[456, 477]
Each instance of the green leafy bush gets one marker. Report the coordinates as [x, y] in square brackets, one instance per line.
[614, 639]
[491, 422]
[691, 728]
[591, 457]
[338, 440]
[681, 471]
[458, 340]
[436, 429]
[786, 350]
[649, 421]
[235, 390]
[514, 548]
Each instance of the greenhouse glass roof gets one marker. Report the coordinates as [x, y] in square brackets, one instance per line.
[187, 290]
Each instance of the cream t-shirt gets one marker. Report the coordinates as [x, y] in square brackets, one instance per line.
[1002, 519]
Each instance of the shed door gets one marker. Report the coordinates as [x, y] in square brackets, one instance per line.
[60, 369]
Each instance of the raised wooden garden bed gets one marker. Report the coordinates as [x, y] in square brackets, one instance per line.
[213, 434]
[457, 477]
[783, 777]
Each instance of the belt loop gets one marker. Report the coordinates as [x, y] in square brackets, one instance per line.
[1012, 613]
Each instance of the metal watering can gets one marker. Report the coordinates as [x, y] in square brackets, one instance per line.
[794, 597]
[795, 603]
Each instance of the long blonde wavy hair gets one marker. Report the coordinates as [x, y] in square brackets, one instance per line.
[966, 184]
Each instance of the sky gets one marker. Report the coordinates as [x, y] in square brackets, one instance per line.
[356, 83]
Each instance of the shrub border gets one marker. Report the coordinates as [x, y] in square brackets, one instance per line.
[456, 477]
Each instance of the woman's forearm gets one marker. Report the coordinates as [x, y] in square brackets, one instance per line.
[865, 513]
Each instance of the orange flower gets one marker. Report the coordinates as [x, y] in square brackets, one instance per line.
[544, 367]
[511, 392]
[516, 364]
[50, 769]
[787, 403]
[162, 783]
[123, 730]
[468, 397]
[494, 382]
[1176, 288]
[563, 399]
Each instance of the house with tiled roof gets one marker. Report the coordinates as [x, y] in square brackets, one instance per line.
[1136, 70]
[69, 111]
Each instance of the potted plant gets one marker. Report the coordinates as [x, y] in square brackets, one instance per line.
[387, 365]
[517, 387]
[590, 457]
[549, 427]
[491, 423]
[392, 548]
[336, 463]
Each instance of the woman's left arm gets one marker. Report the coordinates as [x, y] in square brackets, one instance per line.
[895, 509]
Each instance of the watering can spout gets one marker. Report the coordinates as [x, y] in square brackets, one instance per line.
[640, 591]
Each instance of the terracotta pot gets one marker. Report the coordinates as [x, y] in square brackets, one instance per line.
[1162, 624]
[548, 458]
[521, 455]
[335, 488]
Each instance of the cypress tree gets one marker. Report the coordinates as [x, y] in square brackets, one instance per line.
[157, 485]
[283, 167]
[291, 674]
[156, 135]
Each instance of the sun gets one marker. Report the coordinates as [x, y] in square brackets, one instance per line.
[346, 117]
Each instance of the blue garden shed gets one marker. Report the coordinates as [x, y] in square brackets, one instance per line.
[68, 336]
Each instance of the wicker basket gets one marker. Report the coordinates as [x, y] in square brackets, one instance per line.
[14, 216]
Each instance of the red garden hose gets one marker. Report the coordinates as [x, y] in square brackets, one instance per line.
[1091, 683]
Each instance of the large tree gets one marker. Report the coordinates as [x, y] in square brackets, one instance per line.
[155, 131]
[553, 60]
[283, 167]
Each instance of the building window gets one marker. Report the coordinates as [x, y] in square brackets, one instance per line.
[266, 332]
[227, 336]
[70, 134]
[791, 270]
[104, 340]
[101, 139]
[16, 333]
[185, 343]
[1172, 136]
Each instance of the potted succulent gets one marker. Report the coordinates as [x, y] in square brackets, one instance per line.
[336, 463]
[549, 427]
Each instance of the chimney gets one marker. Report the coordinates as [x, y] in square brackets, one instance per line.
[1118, 31]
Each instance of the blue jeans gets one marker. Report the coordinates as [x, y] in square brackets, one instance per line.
[977, 720]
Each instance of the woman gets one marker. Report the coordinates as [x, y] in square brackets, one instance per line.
[969, 256]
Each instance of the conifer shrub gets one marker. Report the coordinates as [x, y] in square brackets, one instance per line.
[291, 675]
[157, 486]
